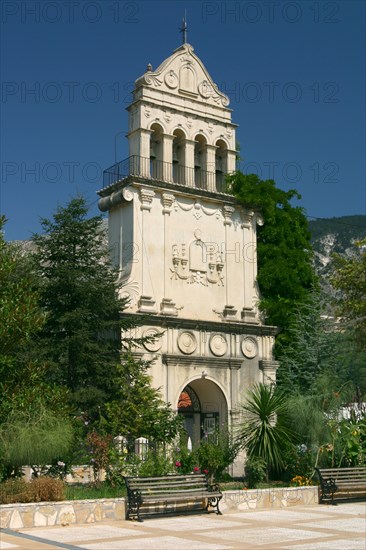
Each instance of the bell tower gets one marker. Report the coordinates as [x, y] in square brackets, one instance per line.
[185, 248]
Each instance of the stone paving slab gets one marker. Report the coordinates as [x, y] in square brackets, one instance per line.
[273, 515]
[156, 543]
[339, 544]
[319, 527]
[80, 533]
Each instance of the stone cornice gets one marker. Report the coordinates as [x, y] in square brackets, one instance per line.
[268, 364]
[208, 326]
[181, 190]
[199, 361]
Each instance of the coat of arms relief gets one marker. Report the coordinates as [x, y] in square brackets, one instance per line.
[198, 263]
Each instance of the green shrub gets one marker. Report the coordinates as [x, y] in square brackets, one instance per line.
[299, 461]
[34, 439]
[255, 471]
[215, 456]
[157, 463]
[41, 489]
[47, 489]
[183, 460]
[15, 490]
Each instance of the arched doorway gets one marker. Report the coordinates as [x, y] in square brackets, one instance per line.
[205, 411]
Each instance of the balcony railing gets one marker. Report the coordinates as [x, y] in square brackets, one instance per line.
[163, 171]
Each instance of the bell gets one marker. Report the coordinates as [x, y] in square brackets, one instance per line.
[152, 151]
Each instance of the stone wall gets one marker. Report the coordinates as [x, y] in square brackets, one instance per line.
[257, 499]
[42, 514]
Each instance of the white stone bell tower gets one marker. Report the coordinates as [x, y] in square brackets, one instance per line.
[185, 248]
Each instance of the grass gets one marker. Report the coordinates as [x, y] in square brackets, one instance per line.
[80, 491]
[89, 492]
[86, 492]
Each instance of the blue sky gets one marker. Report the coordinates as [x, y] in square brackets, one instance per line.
[294, 72]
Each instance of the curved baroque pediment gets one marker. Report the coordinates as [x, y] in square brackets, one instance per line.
[184, 74]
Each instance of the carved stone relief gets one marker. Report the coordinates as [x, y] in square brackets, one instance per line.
[130, 291]
[249, 347]
[198, 209]
[167, 200]
[146, 196]
[151, 79]
[153, 345]
[207, 91]
[187, 342]
[228, 213]
[171, 79]
[198, 263]
[218, 345]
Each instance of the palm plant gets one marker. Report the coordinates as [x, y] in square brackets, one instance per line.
[263, 432]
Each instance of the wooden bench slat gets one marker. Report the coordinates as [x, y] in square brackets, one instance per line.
[170, 484]
[175, 488]
[167, 478]
[342, 481]
[181, 498]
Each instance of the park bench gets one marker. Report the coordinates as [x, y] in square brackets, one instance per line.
[342, 483]
[168, 492]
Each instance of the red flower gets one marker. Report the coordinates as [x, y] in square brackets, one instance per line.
[196, 469]
[178, 464]
[205, 472]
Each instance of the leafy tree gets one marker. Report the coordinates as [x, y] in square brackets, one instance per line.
[22, 379]
[138, 409]
[328, 437]
[312, 348]
[350, 280]
[32, 411]
[285, 269]
[263, 432]
[34, 438]
[20, 314]
[81, 336]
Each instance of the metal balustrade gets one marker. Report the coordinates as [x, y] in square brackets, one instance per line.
[159, 170]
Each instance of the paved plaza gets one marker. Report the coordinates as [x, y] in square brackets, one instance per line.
[340, 527]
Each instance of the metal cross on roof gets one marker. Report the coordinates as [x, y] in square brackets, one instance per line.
[184, 28]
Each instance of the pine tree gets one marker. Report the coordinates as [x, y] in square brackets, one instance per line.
[311, 351]
[82, 335]
[349, 279]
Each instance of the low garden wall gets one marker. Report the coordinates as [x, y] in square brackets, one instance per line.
[41, 514]
[257, 499]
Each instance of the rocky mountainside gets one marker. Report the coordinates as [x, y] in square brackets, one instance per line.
[335, 235]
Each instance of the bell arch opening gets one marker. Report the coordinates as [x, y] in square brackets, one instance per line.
[221, 165]
[200, 161]
[156, 151]
[179, 158]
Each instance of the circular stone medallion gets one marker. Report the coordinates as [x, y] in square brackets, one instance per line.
[218, 345]
[156, 344]
[171, 79]
[187, 342]
[249, 347]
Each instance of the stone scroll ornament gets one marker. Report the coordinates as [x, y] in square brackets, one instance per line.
[199, 263]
